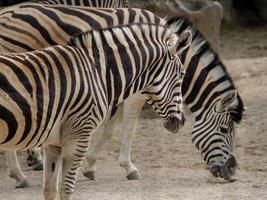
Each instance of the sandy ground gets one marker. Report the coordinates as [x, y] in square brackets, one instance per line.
[170, 165]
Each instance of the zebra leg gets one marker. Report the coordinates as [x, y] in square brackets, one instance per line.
[34, 159]
[51, 171]
[73, 153]
[14, 170]
[132, 109]
[103, 135]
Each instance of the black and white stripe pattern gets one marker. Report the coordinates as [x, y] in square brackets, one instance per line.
[211, 96]
[28, 27]
[34, 155]
[206, 80]
[58, 96]
[90, 3]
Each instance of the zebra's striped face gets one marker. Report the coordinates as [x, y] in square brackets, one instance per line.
[218, 155]
[213, 135]
[164, 93]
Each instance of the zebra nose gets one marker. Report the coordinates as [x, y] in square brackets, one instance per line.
[173, 123]
[225, 171]
[230, 165]
[231, 161]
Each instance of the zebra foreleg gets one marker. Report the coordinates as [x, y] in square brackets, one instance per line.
[73, 153]
[14, 170]
[102, 135]
[131, 111]
[51, 171]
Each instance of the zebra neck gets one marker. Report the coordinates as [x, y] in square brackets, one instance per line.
[124, 79]
[206, 78]
[117, 74]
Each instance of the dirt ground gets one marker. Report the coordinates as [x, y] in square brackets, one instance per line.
[170, 165]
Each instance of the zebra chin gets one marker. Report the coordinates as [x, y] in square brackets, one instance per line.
[173, 124]
[225, 171]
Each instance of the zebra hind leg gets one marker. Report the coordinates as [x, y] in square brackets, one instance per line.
[34, 159]
[102, 135]
[89, 168]
[131, 112]
[14, 170]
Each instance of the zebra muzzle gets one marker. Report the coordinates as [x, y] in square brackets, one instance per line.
[225, 171]
[173, 124]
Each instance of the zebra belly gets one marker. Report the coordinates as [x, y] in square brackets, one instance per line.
[17, 132]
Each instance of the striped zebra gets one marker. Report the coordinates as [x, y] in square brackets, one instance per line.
[211, 98]
[34, 158]
[197, 59]
[58, 96]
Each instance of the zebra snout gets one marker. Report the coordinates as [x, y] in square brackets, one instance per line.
[225, 171]
[173, 123]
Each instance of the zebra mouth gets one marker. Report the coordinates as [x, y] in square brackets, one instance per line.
[173, 124]
[226, 171]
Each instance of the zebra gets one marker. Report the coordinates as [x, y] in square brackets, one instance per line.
[34, 158]
[211, 98]
[58, 96]
[193, 57]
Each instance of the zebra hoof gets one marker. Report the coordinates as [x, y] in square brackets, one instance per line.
[38, 166]
[23, 184]
[90, 175]
[134, 176]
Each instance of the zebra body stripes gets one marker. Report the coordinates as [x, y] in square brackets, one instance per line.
[89, 3]
[34, 158]
[56, 97]
[210, 96]
[27, 27]
[198, 59]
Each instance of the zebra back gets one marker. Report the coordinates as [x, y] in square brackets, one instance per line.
[90, 3]
[45, 25]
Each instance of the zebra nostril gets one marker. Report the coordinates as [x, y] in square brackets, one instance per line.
[173, 124]
[231, 165]
[215, 171]
[225, 171]
[182, 122]
[231, 162]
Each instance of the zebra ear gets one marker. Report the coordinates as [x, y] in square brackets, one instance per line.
[182, 43]
[229, 100]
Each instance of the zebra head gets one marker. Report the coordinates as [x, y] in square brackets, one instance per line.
[214, 132]
[164, 93]
[208, 92]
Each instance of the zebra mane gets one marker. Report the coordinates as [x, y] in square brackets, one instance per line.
[181, 24]
[81, 39]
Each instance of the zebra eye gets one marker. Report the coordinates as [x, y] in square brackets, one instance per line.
[169, 43]
[223, 130]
